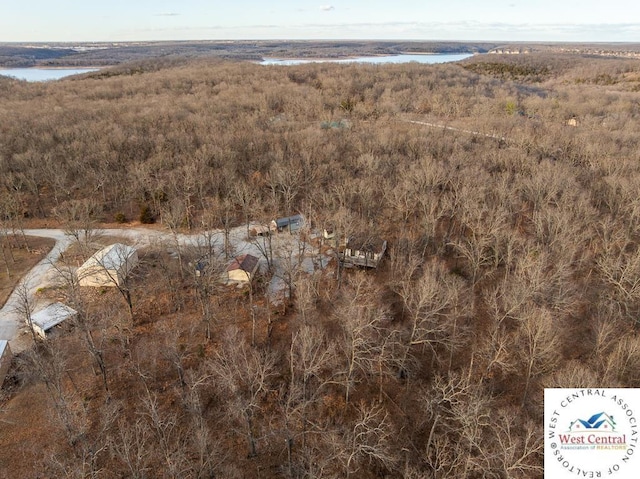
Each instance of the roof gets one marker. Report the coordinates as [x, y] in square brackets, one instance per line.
[282, 222]
[3, 346]
[53, 314]
[246, 262]
[260, 229]
[366, 243]
[111, 257]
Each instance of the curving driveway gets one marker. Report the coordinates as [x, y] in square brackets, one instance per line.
[12, 322]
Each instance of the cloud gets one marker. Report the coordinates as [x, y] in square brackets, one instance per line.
[435, 31]
[327, 8]
[167, 14]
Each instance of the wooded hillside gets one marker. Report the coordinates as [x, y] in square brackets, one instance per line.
[511, 215]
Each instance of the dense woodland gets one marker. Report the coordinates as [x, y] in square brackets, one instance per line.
[513, 265]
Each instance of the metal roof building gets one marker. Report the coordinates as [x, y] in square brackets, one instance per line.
[45, 319]
[108, 267]
[290, 223]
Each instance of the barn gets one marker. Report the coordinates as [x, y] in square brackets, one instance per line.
[5, 359]
[242, 269]
[45, 319]
[108, 267]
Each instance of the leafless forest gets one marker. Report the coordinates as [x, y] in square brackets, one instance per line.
[513, 265]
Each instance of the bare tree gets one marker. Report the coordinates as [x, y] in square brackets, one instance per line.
[24, 306]
[170, 443]
[289, 260]
[312, 358]
[113, 268]
[204, 449]
[50, 365]
[369, 438]
[518, 447]
[218, 213]
[174, 216]
[132, 446]
[12, 216]
[88, 450]
[244, 373]
[540, 351]
[361, 319]
[87, 320]
[433, 303]
[207, 270]
[620, 272]
[459, 415]
[623, 363]
[79, 219]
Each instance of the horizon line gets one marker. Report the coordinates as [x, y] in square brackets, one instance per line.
[349, 40]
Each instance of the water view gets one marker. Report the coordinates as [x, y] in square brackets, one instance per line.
[43, 74]
[424, 58]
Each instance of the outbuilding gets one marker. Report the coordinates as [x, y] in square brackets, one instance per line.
[108, 267]
[5, 359]
[290, 224]
[363, 250]
[47, 318]
[242, 269]
[260, 230]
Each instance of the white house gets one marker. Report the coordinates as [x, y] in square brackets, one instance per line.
[242, 269]
[5, 359]
[51, 316]
[108, 267]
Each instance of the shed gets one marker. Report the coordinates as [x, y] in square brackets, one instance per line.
[109, 266]
[5, 359]
[260, 230]
[290, 223]
[45, 319]
[363, 250]
[243, 268]
[329, 232]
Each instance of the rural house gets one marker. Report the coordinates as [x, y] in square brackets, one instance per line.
[45, 319]
[5, 359]
[242, 269]
[363, 250]
[290, 224]
[108, 267]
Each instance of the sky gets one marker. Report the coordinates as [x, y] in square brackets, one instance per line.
[490, 20]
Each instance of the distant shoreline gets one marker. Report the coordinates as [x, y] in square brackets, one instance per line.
[56, 68]
[292, 61]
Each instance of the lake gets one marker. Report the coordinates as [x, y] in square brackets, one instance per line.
[43, 74]
[408, 58]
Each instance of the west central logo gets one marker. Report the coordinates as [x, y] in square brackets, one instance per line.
[598, 422]
[598, 430]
